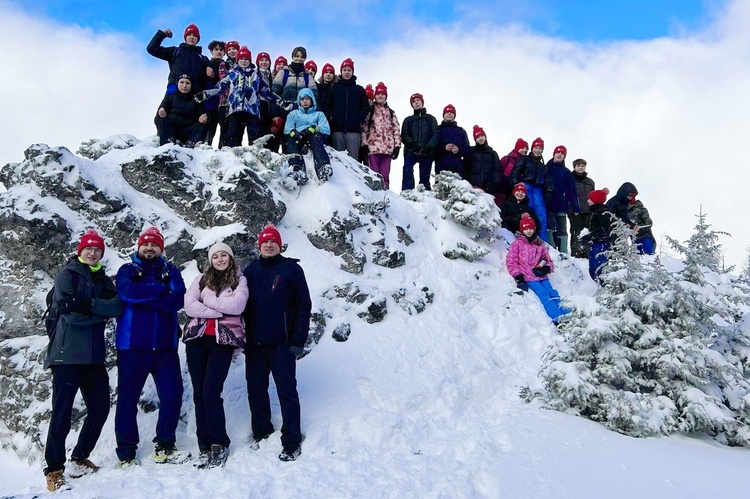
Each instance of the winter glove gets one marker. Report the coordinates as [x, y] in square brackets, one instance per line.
[201, 96]
[296, 351]
[83, 306]
[521, 282]
[286, 105]
[293, 134]
[312, 129]
[165, 278]
[541, 271]
[394, 154]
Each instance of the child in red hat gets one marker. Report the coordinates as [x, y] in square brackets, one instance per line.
[483, 168]
[381, 134]
[420, 136]
[349, 110]
[453, 144]
[187, 58]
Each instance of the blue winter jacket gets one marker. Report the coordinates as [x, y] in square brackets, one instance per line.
[564, 196]
[152, 292]
[278, 307]
[451, 133]
[300, 119]
[246, 87]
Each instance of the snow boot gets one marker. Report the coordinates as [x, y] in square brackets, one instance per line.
[299, 176]
[219, 455]
[290, 454]
[81, 467]
[168, 454]
[255, 441]
[55, 480]
[324, 173]
[203, 458]
[127, 463]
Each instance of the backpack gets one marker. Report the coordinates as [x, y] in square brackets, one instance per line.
[50, 320]
[286, 77]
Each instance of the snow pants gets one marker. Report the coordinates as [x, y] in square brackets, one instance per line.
[169, 131]
[316, 143]
[208, 364]
[535, 194]
[260, 362]
[549, 297]
[381, 164]
[236, 123]
[425, 168]
[93, 381]
[597, 259]
[646, 245]
[133, 368]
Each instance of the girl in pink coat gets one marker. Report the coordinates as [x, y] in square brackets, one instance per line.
[214, 303]
[381, 134]
[529, 263]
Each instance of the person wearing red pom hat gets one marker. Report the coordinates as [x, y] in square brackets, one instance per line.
[187, 58]
[532, 171]
[483, 168]
[381, 134]
[83, 299]
[146, 338]
[600, 229]
[507, 162]
[453, 144]
[349, 108]
[325, 92]
[268, 111]
[563, 199]
[420, 135]
[277, 321]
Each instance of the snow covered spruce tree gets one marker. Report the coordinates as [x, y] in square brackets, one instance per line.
[640, 360]
[701, 250]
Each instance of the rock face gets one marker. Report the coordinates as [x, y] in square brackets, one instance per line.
[197, 197]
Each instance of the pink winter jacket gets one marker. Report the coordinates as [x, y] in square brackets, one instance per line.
[523, 256]
[383, 134]
[203, 305]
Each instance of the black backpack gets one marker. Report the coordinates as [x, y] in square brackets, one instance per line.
[50, 319]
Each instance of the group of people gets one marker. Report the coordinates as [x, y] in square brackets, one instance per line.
[263, 311]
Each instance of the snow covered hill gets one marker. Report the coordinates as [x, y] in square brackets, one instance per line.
[410, 387]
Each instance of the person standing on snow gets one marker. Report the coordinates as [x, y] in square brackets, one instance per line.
[215, 331]
[420, 135]
[563, 199]
[532, 171]
[381, 135]
[453, 144]
[186, 59]
[146, 339]
[84, 299]
[277, 318]
[349, 109]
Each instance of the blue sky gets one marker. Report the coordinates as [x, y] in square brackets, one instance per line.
[372, 21]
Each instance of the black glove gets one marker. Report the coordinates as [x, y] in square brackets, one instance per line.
[521, 282]
[165, 278]
[201, 96]
[296, 351]
[541, 271]
[394, 154]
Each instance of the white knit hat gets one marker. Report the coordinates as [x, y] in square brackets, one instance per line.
[219, 247]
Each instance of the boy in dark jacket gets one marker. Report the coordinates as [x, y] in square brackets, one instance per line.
[453, 144]
[578, 221]
[644, 238]
[532, 171]
[420, 136]
[146, 339]
[600, 232]
[180, 118]
[620, 203]
[514, 207]
[84, 299]
[216, 48]
[349, 108]
[563, 199]
[277, 320]
[482, 166]
[186, 59]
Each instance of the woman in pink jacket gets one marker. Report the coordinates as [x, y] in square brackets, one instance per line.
[214, 303]
[529, 263]
[381, 134]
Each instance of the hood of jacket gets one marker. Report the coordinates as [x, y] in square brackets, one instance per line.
[306, 92]
[626, 189]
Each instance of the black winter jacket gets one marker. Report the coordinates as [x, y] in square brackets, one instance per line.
[184, 59]
[278, 307]
[601, 225]
[79, 338]
[451, 133]
[349, 106]
[182, 110]
[620, 203]
[511, 211]
[420, 132]
[482, 168]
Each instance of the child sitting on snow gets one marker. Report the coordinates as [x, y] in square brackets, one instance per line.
[181, 119]
[307, 126]
[529, 263]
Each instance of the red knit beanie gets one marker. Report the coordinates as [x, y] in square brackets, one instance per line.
[192, 29]
[520, 144]
[561, 149]
[244, 53]
[449, 109]
[347, 63]
[328, 68]
[526, 222]
[599, 196]
[380, 88]
[369, 92]
[519, 187]
[90, 238]
[311, 65]
[269, 233]
[262, 55]
[538, 142]
[416, 96]
[151, 235]
[279, 59]
[478, 132]
[232, 43]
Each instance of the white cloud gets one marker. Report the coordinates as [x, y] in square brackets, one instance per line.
[667, 114]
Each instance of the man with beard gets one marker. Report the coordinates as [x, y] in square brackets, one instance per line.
[152, 292]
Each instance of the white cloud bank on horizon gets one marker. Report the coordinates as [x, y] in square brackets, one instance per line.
[659, 113]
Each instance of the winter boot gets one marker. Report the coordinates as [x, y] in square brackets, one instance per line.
[563, 244]
[81, 467]
[127, 463]
[55, 480]
[219, 455]
[290, 454]
[299, 176]
[203, 458]
[256, 440]
[168, 454]
[324, 173]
